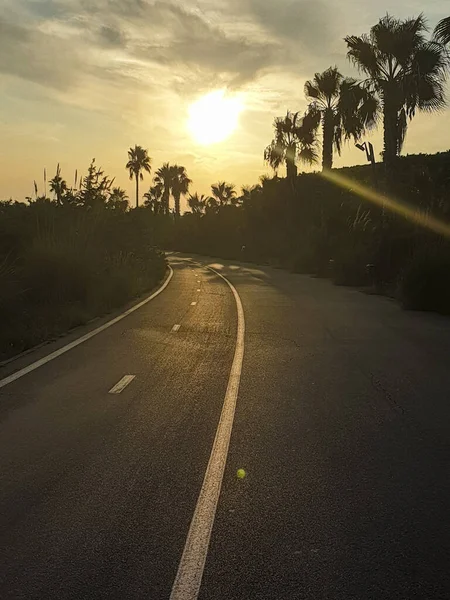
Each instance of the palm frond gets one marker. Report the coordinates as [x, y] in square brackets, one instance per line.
[442, 31]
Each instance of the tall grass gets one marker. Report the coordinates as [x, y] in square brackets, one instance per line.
[62, 266]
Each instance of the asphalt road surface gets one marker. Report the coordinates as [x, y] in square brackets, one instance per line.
[342, 426]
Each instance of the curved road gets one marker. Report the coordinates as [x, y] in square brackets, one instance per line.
[342, 427]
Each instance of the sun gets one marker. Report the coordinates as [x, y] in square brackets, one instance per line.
[214, 117]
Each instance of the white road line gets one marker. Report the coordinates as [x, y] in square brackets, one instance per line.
[199, 290]
[193, 303]
[84, 338]
[176, 328]
[190, 571]
[122, 384]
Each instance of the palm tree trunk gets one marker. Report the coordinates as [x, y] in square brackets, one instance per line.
[177, 204]
[291, 167]
[327, 148]
[390, 133]
[137, 190]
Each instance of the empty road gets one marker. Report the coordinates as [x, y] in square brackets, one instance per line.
[113, 454]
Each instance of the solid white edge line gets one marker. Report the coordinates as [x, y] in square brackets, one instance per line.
[84, 338]
[190, 571]
[122, 384]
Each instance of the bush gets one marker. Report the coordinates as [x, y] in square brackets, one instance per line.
[425, 284]
[62, 266]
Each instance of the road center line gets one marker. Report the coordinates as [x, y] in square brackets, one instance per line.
[122, 384]
[84, 338]
[190, 571]
[176, 328]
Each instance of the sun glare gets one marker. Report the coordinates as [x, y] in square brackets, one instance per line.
[214, 117]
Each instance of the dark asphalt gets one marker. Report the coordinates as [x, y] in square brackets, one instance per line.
[342, 425]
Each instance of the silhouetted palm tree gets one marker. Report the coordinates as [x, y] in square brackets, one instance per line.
[345, 109]
[405, 71]
[138, 161]
[58, 186]
[164, 178]
[118, 200]
[442, 31]
[224, 193]
[153, 199]
[180, 186]
[295, 139]
[197, 203]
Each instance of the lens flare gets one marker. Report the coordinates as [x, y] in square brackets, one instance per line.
[411, 213]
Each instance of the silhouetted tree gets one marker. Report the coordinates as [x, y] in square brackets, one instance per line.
[153, 199]
[197, 203]
[164, 178]
[224, 193]
[95, 187]
[180, 186]
[404, 70]
[118, 200]
[138, 161]
[295, 139]
[346, 110]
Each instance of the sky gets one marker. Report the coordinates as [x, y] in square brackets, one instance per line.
[90, 78]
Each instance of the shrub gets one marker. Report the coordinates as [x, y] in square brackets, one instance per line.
[425, 284]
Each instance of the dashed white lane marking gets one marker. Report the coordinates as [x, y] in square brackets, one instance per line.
[122, 384]
[199, 290]
[190, 571]
[193, 303]
[176, 328]
[84, 338]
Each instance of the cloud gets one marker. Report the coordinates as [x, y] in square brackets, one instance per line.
[36, 56]
[311, 26]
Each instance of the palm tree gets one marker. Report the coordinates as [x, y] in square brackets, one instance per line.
[442, 31]
[138, 161]
[180, 186]
[164, 177]
[118, 200]
[224, 193]
[153, 199]
[294, 139]
[405, 71]
[345, 108]
[58, 186]
[197, 203]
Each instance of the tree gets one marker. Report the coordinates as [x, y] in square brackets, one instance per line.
[345, 108]
[197, 203]
[138, 161]
[95, 187]
[153, 199]
[58, 186]
[224, 193]
[405, 71]
[164, 177]
[295, 139]
[180, 186]
[442, 31]
[118, 200]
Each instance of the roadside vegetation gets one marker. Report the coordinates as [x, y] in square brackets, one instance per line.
[77, 250]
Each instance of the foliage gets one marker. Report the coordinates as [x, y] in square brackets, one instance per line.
[138, 161]
[404, 70]
[345, 109]
[62, 265]
[295, 139]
